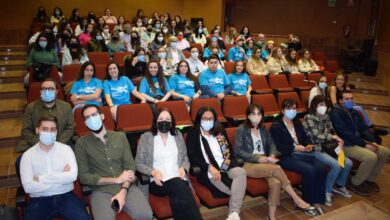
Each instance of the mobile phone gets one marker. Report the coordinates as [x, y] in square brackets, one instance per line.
[115, 205]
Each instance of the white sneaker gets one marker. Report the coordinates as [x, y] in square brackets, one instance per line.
[342, 191]
[233, 216]
[328, 199]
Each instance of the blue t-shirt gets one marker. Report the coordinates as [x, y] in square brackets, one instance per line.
[119, 90]
[207, 53]
[215, 81]
[264, 55]
[82, 88]
[182, 85]
[144, 87]
[249, 53]
[235, 54]
[239, 82]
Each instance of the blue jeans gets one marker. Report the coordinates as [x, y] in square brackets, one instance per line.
[336, 173]
[66, 205]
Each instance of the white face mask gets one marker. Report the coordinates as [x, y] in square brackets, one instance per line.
[174, 45]
[321, 110]
[194, 55]
[160, 39]
[255, 119]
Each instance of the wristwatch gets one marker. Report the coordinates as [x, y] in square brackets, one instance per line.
[78, 97]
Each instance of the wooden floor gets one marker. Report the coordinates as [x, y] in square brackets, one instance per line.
[375, 101]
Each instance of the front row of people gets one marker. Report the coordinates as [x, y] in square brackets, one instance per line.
[105, 162]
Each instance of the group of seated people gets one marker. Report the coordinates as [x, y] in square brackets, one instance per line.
[332, 133]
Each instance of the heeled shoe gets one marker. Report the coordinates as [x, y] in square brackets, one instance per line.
[310, 211]
[320, 210]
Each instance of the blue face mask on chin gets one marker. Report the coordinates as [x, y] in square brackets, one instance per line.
[290, 113]
[48, 96]
[348, 104]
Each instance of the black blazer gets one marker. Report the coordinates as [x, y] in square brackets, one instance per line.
[195, 156]
[282, 138]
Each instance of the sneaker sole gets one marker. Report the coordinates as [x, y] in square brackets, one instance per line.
[341, 193]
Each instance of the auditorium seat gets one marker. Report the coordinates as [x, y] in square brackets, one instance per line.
[210, 102]
[305, 98]
[198, 46]
[332, 66]
[100, 71]
[279, 83]
[259, 84]
[179, 111]
[268, 102]
[99, 57]
[70, 72]
[318, 55]
[292, 95]
[205, 194]
[80, 127]
[330, 76]
[34, 92]
[297, 81]
[228, 46]
[134, 117]
[53, 75]
[229, 66]
[234, 107]
[119, 57]
[314, 76]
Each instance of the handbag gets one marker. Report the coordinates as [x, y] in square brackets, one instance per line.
[329, 148]
[41, 71]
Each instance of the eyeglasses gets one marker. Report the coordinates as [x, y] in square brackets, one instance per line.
[48, 89]
[92, 115]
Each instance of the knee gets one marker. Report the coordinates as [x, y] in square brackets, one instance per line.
[383, 152]
[274, 184]
[369, 156]
[348, 163]
[143, 214]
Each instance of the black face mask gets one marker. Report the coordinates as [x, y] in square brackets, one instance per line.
[164, 126]
[73, 45]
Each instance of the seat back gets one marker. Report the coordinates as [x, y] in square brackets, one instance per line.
[100, 71]
[211, 102]
[332, 66]
[198, 46]
[313, 76]
[231, 133]
[80, 127]
[330, 77]
[99, 57]
[305, 98]
[34, 92]
[278, 81]
[228, 46]
[298, 80]
[229, 66]
[179, 111]
[318, 55]
[119, 56]
[292, 95]
[53, 75]
[259, 82]
[268, 102]
[134, 117]
[70, 72]
[234, 107]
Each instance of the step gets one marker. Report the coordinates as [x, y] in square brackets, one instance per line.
[12, 108]
[12, 90]
[12, 48]
[12, 76]
[12, 65]
[10, 128]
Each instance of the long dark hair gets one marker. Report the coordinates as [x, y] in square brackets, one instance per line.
[188, 73]
[137, 42]
[54, 12]
[49, 45]
[154, 128]
[156, 38]
[82, 69]
[217, 128]
[196, 31]
[108, 76]
[74, 17]
[79, 53]
[41, 15]
[289, 59]
[251, 108]
[160, 77]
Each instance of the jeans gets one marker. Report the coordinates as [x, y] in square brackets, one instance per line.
[66, 205]
[336, 173]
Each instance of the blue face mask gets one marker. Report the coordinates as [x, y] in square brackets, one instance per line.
[141, 58]
[290, 113]
[348, 104]
[99, 38]
[94, 122]
[43, 44]
[47, 138]
[48, 96]
[323, 85]
[207, 125]
[162, 55]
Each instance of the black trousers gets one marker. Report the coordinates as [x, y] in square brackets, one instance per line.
[182, 201]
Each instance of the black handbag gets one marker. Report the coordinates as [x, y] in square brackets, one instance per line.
[329, 148]
[41, 71]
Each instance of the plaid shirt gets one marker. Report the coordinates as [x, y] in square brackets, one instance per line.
[318, 129]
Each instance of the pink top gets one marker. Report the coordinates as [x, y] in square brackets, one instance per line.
[84, 39]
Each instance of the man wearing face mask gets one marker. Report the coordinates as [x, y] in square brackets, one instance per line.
[360, 144]
[106, 164]
[196, 65]
[47, 105]
[48, 170]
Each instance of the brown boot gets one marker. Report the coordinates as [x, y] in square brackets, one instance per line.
[362, 189]
[372, 185]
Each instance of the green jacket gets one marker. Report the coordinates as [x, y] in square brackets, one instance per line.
[47, 57]
[34, 111]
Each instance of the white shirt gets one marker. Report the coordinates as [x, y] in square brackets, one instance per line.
[48, 167]
[256, 142]
[175, 57]
[215, 150]
[196, 66]
[165, 157]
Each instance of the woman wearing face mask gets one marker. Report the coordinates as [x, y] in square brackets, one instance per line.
[149, 35]
[183, 84]
[173, 28]
[138, 26]
[97, 43]
[255, 65]
[182, 43]
[57, 16]
[74, 53]
[41, 15]
[196, 65]
[306, 64]
[321, 88]
[157, 26]
[106, 33]
[290, 139]
[277, 63]
[203, 27]
[165, 63]
[209, 149]
[92, 17]
[157, 42]
[154, 86]
[87, 89]
[319, 129]
[162, 155]
[118, 88]
[198, 36]
[166, 33]
[254, 145]
[136, 42]
[63, 35]
[115, 45]
[86, 36]
[173, 52]
[135, 65]
[241, 84]
[292, 61]
[108, 17]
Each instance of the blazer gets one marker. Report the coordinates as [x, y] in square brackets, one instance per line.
[243, 145]
[195, 155]
[144, 157]
[282, 138]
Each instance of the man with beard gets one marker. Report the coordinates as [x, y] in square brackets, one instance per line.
[106, 164]
[48, 105]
